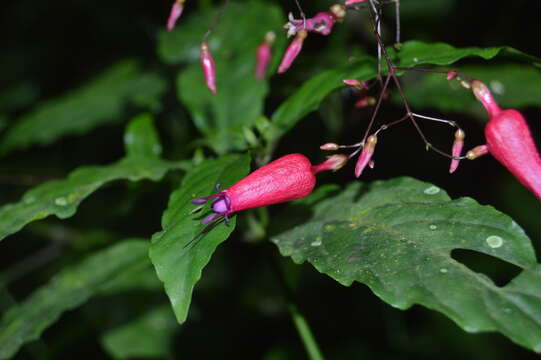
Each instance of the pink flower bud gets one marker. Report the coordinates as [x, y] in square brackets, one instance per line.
[356, 83]
[351, 2]
[208, 67]
[452, 74]
[458, 144]
[510, 141]
[476, 152]
[366, 154]
[285, 179]
[329, 147]
[264, 55]
[334, 163]
[365, 101]
[292, 51]
[174, 14]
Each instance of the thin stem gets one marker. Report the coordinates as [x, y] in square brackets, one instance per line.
[216, 20]
[303, 16]
[397, 14]
[310, 344]
[376, 108]
[302, 326]
[452, 123]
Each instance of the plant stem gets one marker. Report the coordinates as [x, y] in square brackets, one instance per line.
[307, 337]
[300, 322]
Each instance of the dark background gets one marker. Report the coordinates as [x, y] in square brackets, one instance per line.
[48, 48]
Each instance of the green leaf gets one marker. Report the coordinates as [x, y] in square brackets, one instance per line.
[102, 100]
[178, 264]
[62, 197]
[67, 290]
[240, 98]
[413, 53]
[311, 94]
[148, 336]
[512, 85]
[397, 237]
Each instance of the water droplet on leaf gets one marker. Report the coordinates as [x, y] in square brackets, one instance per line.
[494, 241]
[432, 190]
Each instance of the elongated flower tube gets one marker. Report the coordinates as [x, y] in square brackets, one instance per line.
[174, 14]
[285, 179]
[207, 64]
[264, 55]
[352, 2]
[510, 141]
[366, 154]
[456, 151]
[292, 51]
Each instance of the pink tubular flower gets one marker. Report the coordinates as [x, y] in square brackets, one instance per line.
[456, 151]
[174, 14]
[352, 2]
[292, 51]
[208, 67]
[366, 154]
[285, 179]
[510, 141]
[264, 55]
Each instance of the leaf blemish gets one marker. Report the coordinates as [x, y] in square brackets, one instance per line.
[61, 201]
[494, 241]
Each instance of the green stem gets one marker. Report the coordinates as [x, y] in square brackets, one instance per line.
[300, 322]
[307, 337]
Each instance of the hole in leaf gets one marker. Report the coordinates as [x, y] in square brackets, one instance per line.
[499, 271]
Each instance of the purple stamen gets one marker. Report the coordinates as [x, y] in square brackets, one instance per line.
[199, 201]
[210, 218]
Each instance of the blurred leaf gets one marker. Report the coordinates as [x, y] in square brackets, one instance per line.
[67, 290]
[415, 53]
[397, 237]
[513, 86]
[18, 96]
[62, 197]
[240, 98]
[100, 101]
[178, 264]
[309, 96]
[148, 336]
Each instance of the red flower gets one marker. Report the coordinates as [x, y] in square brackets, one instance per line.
[510, 141]
[285, 179]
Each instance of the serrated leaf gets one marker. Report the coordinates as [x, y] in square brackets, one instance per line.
[412, 53]
[62, 197]
[148, 336]
[67, 290]
[178, 264]
[397, 237]
[240, 98]
[99, 101]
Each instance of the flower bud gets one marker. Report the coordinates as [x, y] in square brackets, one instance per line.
[365, 101]
[207, 64]
[452, 74]
[338, 11]
[329, 147]
[174, 14]
[334, 163]
[264, 55]
[366, 154]
[351, 2]
[458, 144]
[476, 152]
[292, 51]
